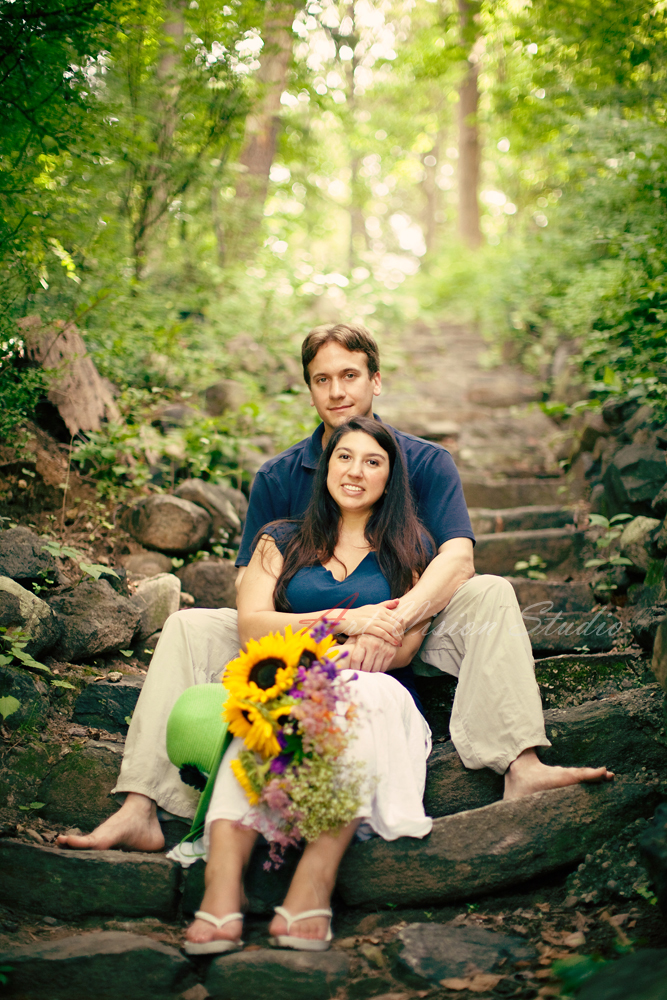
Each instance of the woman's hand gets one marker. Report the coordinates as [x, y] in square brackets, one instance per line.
[369, 654]
[376, 620]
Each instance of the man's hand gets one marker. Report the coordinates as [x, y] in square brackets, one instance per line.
[369, 653]
[374, 620]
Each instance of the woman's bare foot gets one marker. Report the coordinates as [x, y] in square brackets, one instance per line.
[229, 852]
[527, 774]
[134, 827]
[315, 927]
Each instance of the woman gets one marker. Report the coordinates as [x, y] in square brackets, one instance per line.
[359, 544]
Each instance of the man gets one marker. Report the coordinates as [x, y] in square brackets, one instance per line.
[497, 715]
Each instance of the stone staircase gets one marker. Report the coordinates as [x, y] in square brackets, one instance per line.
[479, 845]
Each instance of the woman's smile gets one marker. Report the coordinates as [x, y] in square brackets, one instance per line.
[358, 472]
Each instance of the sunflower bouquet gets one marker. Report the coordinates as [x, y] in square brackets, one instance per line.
[285, 698]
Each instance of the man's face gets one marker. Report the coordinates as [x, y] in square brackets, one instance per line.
[340, 386]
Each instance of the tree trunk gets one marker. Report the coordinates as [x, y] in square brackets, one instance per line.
[469, 158]
[263, 123]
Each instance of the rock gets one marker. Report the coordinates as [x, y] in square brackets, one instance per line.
[95, 620]
[634, 539]
[633, 476]
[572, 630]
[31, 693]
[474, 853]
[659, 502]
[498, 553]
[21, 770]
[608, 581]
[77, 789]
[156, 599]
[168, 524]
[174, 415]
[641, 976]
[22, 556]
[292, 975]
[565, 597]
[436, 951]
[237, 499]
[616, 411]
[106, 964]
[147, 564]
[653, 846]
[211, 582]
[644, 624]
[223, 396]
[617, 732]
[659, 661]
[224, 519]
[490, 521]
[21, 609]
[105, 705]
[615, 873]
[482, 491]
[117, 580]
[498, 389]
[73, 884]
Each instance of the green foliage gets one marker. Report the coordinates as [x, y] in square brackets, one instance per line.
[96, 570]
[576, 970]
[610, 558]
[8, 706]
[20, 390]
[533, 567]
[13, 641]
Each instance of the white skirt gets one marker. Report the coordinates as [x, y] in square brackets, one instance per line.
[392, 740]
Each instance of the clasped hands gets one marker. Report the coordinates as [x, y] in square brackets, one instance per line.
[375, 632]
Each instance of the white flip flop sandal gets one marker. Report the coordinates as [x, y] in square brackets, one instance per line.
[216, 947]
[299, 943]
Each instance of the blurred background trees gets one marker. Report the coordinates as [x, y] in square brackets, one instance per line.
[196, 184]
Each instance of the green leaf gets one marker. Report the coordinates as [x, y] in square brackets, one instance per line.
[598, 520]
[125, 652]
[63, 684]
[621, 517]
[620, 561]
[521, 565]
[28, 661]
[590, 563]
[9, 705]
[5, 659]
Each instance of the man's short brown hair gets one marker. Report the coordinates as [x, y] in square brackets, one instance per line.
[351, 336]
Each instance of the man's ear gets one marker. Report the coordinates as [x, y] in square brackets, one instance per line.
[376, 379]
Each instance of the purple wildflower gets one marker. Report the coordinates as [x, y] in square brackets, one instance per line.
[322, 630]
[280, 764]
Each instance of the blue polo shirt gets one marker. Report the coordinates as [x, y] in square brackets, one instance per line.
[283, 486]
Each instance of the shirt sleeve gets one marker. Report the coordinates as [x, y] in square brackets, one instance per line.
[267, 503]
[440, 499]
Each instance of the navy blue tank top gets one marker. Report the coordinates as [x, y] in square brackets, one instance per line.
[314, 588]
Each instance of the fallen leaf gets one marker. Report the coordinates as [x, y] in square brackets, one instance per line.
[581, 921]
[543, 974]
[455, 984]
[552, 937]
[484, 981]
[619, 919]
[544, 907]
[549, 991]
[576, 940]
[518, 929]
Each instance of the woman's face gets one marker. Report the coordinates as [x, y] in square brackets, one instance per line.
[358, 472]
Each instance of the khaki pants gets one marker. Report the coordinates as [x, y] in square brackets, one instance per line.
[479, 638]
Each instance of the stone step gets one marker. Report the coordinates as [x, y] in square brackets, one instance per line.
[481, 851]
[499, 494]
[488, 521]
[118, 965]
[498, 553]
[622, 733]
[565, 597]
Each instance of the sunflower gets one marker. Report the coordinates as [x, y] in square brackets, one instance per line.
[254, 727]
[309, 649]
[244, 781]
[265, 670]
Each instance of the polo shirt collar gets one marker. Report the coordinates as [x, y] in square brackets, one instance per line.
[313, 450]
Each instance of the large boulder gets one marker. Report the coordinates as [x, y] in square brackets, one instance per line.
[283, 975]
[435, 952]
[146, 563]
[168, 524]
[659, 661]
[633, 477]
[640, 976]
[156, 599]
[95, 620]
[213, 498]
[107, 705]
[20, 609]
[636, 539]
[77, 788]
[653, 846]
[22, 555]
[211, 582]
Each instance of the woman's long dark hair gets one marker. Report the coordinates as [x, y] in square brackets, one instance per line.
[393, 530]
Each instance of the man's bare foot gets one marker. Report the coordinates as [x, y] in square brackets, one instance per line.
[134, 827]
[527, 774]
